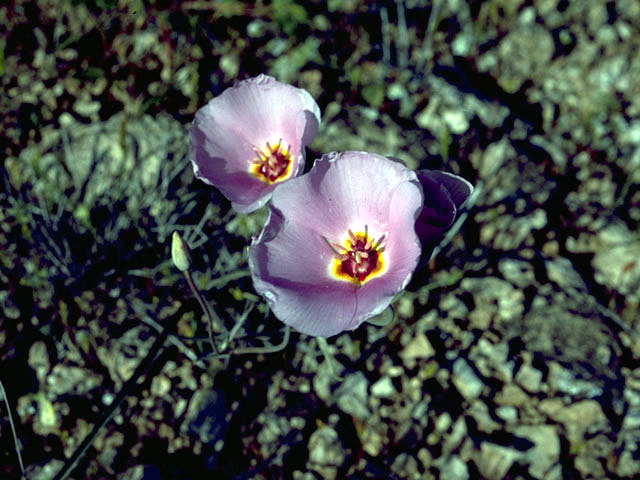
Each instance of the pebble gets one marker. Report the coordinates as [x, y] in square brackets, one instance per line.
[628, 465]
[580, 418]
[443, 422]
[455, 437]
[465, 380]
[529, 378]
[39, 359]
[455, 120]
[374, 436]
[454, 469]
[87, 108]
[65, 379]
[325, 447]
[352, 395]
[383, 388]
[494, 461]
[562, 380]
[418, 348]
[507, 413]
[512, 395]
[632, 420]
[616, 260]
[545, 453]
[517, 272]
[480, 413]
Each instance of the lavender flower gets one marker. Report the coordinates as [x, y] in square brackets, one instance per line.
[339, 242]
[251, 138]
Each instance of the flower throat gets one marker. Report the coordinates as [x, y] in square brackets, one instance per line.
[273, 163]
[359, 258]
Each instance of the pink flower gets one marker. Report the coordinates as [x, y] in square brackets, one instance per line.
[251, 138]
[339, 242]
[444, 193]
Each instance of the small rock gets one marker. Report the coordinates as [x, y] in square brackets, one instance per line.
[374, 436]
[160, 385]
[46, 471]
[456, 121]
[617, 259]
[65, 379]
[326, 452]
[494, 461]
[455, 437]
[419, 347]
[580, 418]
[517, 272]
[562, 380]
[507, 413]
[512, 395]
[465, 380]
[207, 415]
[628, 466]
[383, 388]
[322, 382]
[406, 466]
[529, 378]
[480, 413]
[325, 447]
[632, 420]
[39, 360]
[141, 472]
[545, 453]
[87, 108]
[551, 406]
[454, 469]
[589, 466]
[443, 422]
[518, 61]
[352, 395]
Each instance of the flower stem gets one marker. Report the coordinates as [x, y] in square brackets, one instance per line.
[328, 356]
[214, 324]
[13, 428]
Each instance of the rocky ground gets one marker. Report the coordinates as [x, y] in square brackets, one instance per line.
[516, 352]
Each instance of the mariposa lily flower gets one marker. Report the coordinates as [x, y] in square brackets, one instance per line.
[444, 194]
[339, 242]
[251, 138]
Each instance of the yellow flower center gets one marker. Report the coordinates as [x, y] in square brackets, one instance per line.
[358, 259]
[273, 163]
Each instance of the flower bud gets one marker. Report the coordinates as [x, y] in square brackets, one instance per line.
[180, 253]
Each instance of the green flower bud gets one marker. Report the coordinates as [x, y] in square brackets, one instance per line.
[180, 253]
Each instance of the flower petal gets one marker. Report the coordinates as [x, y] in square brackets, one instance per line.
[439, 210]
[459, 189]
[341, 191]
[402, 252]
[289, 268]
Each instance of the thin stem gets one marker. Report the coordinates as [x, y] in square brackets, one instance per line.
[269, 349]
[236, 328]
[328, 356]
[214, 324]
[13, 428]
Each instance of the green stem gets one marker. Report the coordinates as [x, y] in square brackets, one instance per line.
[13, 428]
[214, 324]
